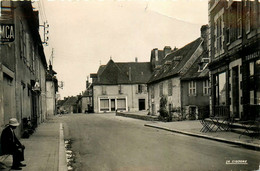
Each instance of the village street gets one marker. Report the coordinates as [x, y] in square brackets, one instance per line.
[109, 142]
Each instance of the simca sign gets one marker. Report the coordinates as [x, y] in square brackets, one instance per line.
[7, 33]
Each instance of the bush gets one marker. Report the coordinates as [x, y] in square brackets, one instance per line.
[164, 114]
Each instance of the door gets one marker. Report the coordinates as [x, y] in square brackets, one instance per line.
[113, 105]
[141, 104]
[235, 91]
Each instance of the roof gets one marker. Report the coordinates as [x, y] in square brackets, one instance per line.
[173, 63]
[70, 101]
[61, 102]
[194, 73]
[115, 73]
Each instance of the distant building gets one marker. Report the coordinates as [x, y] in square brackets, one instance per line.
[86, 99]
[51, 90]
[22, 65]
[121, 86]
[234, 50]
[70, 105]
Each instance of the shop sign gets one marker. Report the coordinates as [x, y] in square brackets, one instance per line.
[7, 33]
[253, 55]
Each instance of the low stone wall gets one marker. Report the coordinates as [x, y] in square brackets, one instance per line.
[136, 116]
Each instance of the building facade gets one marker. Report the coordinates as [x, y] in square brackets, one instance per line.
[22, 65]
[121, 87]
[86, 99]
[51, 90]
[171, 78]
[235, 59]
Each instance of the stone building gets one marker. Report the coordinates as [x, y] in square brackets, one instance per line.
[22, 65]
[51, 90]
[234, 50]
[86, 99]
[121, 86]
[173, 74]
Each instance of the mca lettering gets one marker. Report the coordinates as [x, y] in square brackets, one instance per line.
[7, 33]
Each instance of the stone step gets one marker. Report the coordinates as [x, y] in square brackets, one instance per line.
[242, 131]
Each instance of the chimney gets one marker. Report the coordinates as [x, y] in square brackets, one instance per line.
[156, 55]
[136, 59]
[167, 50]
[204, 33]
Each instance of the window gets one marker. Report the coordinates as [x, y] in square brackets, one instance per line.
[169, 87]
[220, 89]
[192, 88]
[239, 19]
[121, 104]
[21, 32]
[33, 58]
[28, 49]
[161, 89]
[228, 26]
[206, 87]
[254, 73]
[104, 104]
[219, 34]
[140, 88]
[152, 92]
[247, 13]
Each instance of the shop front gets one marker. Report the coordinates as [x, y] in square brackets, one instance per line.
[112, 104]
[251, 83]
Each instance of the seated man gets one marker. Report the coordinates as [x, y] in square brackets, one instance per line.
[11, 145]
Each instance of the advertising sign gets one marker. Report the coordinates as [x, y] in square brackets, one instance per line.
[7, 33]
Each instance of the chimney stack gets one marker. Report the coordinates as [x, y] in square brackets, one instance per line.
[204, 33]
[167, 50]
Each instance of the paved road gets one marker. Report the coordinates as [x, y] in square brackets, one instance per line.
[107, 142]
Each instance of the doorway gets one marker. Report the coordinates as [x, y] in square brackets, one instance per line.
[235, 91]
[113, 105]
[141, 104]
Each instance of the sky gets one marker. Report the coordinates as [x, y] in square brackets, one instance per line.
[85, 34]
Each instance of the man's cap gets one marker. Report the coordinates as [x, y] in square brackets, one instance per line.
[13, 122]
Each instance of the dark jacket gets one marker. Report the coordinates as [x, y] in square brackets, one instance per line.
[9, 142]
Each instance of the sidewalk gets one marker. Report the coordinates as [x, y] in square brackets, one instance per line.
[42, 148]
[193, 127]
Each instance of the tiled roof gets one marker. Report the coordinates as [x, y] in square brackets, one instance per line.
[194, 73]
[173, 63]
[61, 102]
[70, 101]
[124, 73]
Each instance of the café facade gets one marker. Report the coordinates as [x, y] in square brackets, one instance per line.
[234, 50]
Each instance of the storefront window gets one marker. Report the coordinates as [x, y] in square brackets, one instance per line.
[254, 71]
[220, 89]
[121, 104]
[104, 105]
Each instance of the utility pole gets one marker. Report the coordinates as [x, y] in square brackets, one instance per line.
[45, 32]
